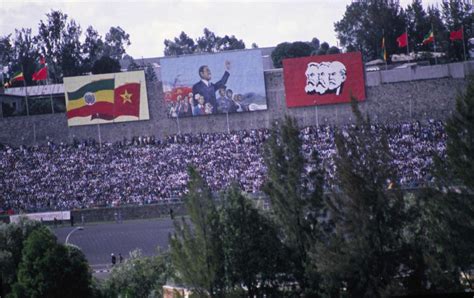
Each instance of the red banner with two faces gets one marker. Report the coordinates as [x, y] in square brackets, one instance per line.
[322, 80]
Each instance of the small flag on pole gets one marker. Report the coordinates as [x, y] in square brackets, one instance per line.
[402, 40]
[41, 74]
[18, 76]
[456, 35]
[429, 38]
[384, 50]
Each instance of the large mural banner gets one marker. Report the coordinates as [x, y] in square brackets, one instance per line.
[222, 83]
[321, 80]
[106, 98]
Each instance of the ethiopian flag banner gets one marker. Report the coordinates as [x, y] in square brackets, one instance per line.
[106, 98]
[429, 38]
[17, 76]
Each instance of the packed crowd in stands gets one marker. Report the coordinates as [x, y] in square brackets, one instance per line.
[145, 170]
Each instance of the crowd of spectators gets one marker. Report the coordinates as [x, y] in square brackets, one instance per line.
[145, 170]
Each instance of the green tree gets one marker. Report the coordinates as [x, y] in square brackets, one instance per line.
[116, 41]
[49, 269]
[6, 50]
[181, 45]
[418, 25]
[24, 54]
[12, 237]
[460, 141]
[323, 49]
[452, 200]
[290, 50]
[150, 74]
[92, 48]
[50, 34]
[456, 14]
[363, 250]
[228, 43]
[365, 22]
[71, 56]
[196, 251]
[436, 238]
[295, 188]
[105, 65]
[333, 50]
[208, 43]
[139, 276]
[254, 256]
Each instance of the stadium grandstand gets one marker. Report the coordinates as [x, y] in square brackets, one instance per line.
[47, 165]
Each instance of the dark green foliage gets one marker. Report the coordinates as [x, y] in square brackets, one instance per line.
[6, 49]
[59, 41]
[295, 189]
[71, 55]
[460, 143]
[300, 49]
[435, 238]
[150, 74]
[116, 40]
[181, 45]
[196, 251]
[12, 237]
[363, 23]
[290, 50]
[254, 256]
[93, 48]
[139, 276]
[106, 65]
[362, 253]
[25, 52]
[456, 14]
[49, 269]
[454, 197]
[333, 50]
[208, 43]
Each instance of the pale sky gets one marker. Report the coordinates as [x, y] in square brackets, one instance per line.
[149, 23]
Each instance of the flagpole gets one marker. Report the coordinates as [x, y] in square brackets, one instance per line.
[50, 89]
[26, 91]
[463, 43]
[434, 44]
[100, 137]
[408, 48]
[228, 127]
[384, 49]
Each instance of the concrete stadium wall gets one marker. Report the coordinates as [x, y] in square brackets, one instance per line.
[398, 95]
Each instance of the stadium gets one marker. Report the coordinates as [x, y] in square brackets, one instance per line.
[138, 169]
[300, 170]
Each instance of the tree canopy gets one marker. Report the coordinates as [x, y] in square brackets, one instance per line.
[208, 43]
[366, 22]
[60, 41]
[49, 269]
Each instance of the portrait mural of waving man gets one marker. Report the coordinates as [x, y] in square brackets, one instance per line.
[319, 80]
[210, 84]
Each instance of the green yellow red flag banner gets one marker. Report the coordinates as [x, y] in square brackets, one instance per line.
[17, 76]
[106, 98]
[428, 38]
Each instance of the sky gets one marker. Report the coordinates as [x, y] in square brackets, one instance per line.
[149, 23]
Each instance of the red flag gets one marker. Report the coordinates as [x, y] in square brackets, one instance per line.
[126, 103]
[456, 35]
[403, 40]
[42, 60]
[41, 74]
[127, 100]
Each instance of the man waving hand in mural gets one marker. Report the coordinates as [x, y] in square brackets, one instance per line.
[206, 88]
